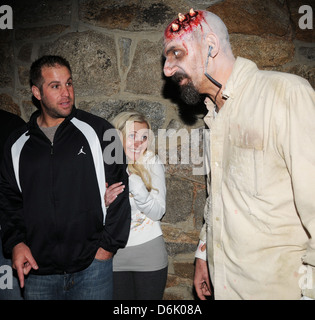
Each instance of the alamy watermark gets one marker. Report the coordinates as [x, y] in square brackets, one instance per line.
[172, 146]
[6, 277]
[306, 20]
[306, 280]
[6, 17]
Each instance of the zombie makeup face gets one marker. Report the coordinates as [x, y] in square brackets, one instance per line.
[184, 24]
[183, 52]
[189, 93]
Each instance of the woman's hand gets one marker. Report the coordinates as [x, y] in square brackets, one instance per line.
[112, 192]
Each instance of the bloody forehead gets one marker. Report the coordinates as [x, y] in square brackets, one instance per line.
[184, 24]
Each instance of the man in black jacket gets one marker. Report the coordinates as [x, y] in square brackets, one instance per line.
[9, 122]
[53, 177]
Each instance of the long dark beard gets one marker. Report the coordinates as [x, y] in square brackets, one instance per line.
[189, 93]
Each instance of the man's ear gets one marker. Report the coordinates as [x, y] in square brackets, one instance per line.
[36, 92]
[213, 42]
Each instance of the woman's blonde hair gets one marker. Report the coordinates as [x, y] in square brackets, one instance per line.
[120, 123]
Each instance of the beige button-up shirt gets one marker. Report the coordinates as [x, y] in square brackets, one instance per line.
[260, 213]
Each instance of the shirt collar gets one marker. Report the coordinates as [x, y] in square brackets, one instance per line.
[242, 70]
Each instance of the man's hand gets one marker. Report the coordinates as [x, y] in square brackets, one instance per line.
[102, 254]
[23, 261]
[202, 280]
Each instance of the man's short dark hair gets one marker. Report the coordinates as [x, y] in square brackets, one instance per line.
[36, 78]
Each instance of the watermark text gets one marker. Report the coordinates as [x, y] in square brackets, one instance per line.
[6, 277]
[306, 20]
[172, 146]
[6, 17]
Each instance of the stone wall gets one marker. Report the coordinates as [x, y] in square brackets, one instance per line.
[115, 50]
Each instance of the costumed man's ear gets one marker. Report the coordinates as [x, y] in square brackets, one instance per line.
[36, 92]
[214, 43]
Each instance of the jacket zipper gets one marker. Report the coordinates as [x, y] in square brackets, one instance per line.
[53, 199]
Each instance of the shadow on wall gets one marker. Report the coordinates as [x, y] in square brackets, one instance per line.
[188, 113]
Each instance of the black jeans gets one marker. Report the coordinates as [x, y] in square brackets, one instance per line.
[131, 285]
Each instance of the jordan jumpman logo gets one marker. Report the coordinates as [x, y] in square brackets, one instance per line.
[81, 151]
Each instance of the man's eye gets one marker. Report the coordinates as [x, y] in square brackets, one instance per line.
[69, 84]
[55, 86]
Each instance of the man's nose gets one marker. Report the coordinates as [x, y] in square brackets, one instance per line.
[169, 68]
[65, 91]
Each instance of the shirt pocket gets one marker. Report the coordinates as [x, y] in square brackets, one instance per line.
[245, 170]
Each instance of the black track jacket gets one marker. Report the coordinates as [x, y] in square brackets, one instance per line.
[52, 194]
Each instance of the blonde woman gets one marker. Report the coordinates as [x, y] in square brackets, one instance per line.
[140, 269]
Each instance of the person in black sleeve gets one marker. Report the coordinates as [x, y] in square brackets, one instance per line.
[9, 122]
[53, 179]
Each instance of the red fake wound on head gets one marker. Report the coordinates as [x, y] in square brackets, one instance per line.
[183, 24]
